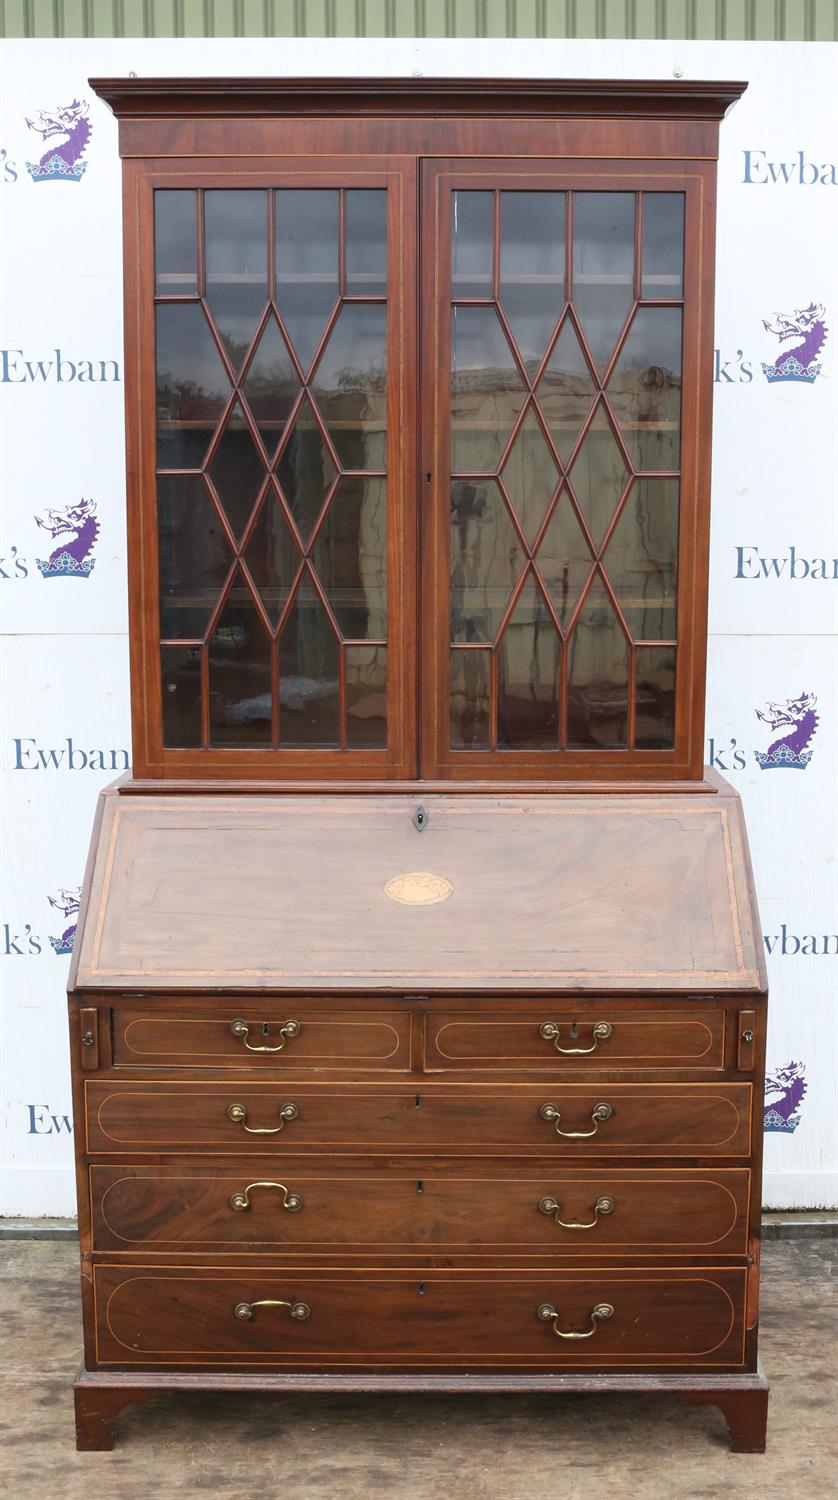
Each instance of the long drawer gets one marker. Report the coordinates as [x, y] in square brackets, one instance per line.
[238, 1208]
[548, 1035]
[170, 1317]
[285, 1035]
[616, 1119]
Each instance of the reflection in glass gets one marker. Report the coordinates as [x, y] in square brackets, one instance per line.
[240, 674]
[350, 558]
[663, 245]
[528, 676]
[642, 559]
[237, 471]
[194, 557]
[486, 559]
[471, 244]
[532, 256]
[655, 698]
[564, 560]
[597, 700]
[309, 672]
[180, 668]
[236, 249]
[350, 386]
[530, 475]
[366, 697]
[271, 385]
[192, 385]
[645, 389]
[305, 470]
[175, 257]
[469, 687]
[272, 557]
[603, 267]
[366, 242]
[306, 264]
[487, 392]
[598, 475]
[566, 390]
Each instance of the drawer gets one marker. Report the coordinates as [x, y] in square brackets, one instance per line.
[600, 1035]
[687, 1119]
[285, 1034]
[168, 1317]
[576, 1213]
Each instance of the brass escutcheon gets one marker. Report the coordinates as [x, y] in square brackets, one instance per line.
[603, 1205]
[299, 1311]
[291, 1201]
[551, 1112]
[549, 1030]
[238, 1114]
[547, 1313]
[287, 1031]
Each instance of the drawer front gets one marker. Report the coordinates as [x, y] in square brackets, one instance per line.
[603, 1118]
[165, 1316]
[558, 1036]
[576, 1213]
[287, 1035]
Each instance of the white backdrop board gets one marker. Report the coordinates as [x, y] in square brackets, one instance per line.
[773, 681]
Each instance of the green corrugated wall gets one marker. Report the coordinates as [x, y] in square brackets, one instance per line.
[723, 20]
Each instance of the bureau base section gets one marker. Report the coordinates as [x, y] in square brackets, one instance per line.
[100, 1396]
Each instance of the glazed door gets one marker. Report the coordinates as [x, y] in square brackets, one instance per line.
[565, 481]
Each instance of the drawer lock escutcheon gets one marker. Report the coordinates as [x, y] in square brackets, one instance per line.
[299, 1311]
[553, 1113]
[547, 1313]
[549, 1030]
[549, 1206]
[238, 1114]
[290, 1201]
[287, 1031]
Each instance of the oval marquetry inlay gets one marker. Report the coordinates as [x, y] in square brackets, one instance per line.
[418, 888]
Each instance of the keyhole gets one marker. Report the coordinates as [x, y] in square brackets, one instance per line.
[266, 1028]
[420, 1187]
[418, 1101]
[421, 1289]
[574, 1029]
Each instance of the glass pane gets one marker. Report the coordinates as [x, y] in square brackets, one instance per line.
[240, 674]
[487, 559]
[598, 475]
[351, 386]
[273, 557]
[655, 698]
[470, 700]
[642, 559]
[306, 264]
[309, 691]
[528, 676]
[603, 267]
[366, 697]
[645, 389]
[305, 470]
[532, 268]
[566, 390]
[192, 385]
[530, 475]
[195, 557]
[564, 560]
[487, 392]
[237, 471]
[236, 231]
[597, 698]
[181, 674]
[663, 245]
[271, 385]
[175, 255]
[366, 242]
[350, 558]
[471, 244]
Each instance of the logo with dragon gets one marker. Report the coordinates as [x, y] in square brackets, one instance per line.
[79, 528]
[806, 326]
[784, 1092]
[65, 133]
[790, 751]
[67, 902]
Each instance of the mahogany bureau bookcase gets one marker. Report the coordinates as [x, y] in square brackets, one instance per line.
[418, 1005]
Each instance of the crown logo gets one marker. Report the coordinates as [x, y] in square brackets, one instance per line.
[791, 751]
[65, 133]
[806, 326]
[65, 566]
[791, 369]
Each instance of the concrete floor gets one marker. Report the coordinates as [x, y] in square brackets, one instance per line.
[417, 1448]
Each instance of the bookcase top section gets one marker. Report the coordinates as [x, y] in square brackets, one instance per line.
[419, 894]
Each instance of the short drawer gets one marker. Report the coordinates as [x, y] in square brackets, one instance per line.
[688, 1119]
[277, 1317]
[238, 1208]
[564, 1037]
[285, 1034]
